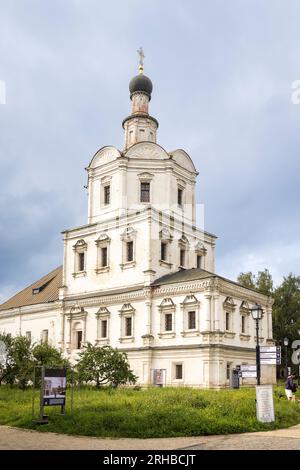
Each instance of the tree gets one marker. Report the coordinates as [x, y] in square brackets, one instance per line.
[286, 309]
[22, 361]
[21, 357]
[262, 282]
[246, 280]
[48, 356]
[6, 366]
[104, 365]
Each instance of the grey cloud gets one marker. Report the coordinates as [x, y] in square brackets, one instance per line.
[222, 74]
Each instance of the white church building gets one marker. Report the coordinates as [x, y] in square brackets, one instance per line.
[140, 276]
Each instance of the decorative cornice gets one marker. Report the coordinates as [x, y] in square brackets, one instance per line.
[183, 287]
[140, 115]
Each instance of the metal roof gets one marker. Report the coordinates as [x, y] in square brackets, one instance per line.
[47, 291]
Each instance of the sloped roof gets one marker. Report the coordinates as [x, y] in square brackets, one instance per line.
[46, 288]
[195, 274]
[183, 275]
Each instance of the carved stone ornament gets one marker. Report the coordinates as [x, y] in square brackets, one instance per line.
[103, 238]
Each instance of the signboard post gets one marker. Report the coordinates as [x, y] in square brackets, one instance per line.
[248, 371]
[265, 403]
[52, 391]
[158, 377]
[270, 355]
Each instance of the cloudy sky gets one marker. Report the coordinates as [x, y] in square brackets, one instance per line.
[222, 72]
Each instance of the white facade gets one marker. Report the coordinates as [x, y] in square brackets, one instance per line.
[141, 277]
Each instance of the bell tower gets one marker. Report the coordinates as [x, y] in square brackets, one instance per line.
[140, 126]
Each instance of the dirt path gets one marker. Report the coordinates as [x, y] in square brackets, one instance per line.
[19, 439]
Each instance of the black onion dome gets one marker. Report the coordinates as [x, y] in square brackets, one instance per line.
[140, 83]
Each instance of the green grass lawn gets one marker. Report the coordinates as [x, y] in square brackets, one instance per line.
[157, 412]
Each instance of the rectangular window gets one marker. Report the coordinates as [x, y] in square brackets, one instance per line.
[45, 336]
[107, 194]
[228, 370]
[163, 251]
[191, 320]
[180, 196]
[168, 322]
[128, 326]
[178, 371]
[78, 339]
[80, 261]
[145, 192]
[104, 329]
[243, 324]
[28, 335]
[227, 326]
[199, 261]
[104, 256]
[129, 252]
[182, 257]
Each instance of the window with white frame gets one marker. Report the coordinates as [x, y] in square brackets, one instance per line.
[145, 187]
[229, 308]
[28, 335]
[80, 251]
[104, 258]
[106, 194]
[104, 329]
[103, 248]
[105, 191]
[181, 184]
[81, 261]
[183, 245]
[191, 320]
[227, 321]
[168, 321]
[78, 339]
[180, 197]
[167, 310]
[163, 251]
[129, 251]
[243, 324]
[128, 326]
[182, 257]
[244, 315]
[44, 336]
[102, 316]
[128, 239]
[200, 252]
[76, 328]
[165, 241]
[178, 371]
[190, 308]
[77, 334]
[145, 191]
[127, 314]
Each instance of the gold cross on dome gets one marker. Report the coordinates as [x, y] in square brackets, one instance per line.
[142, 57]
